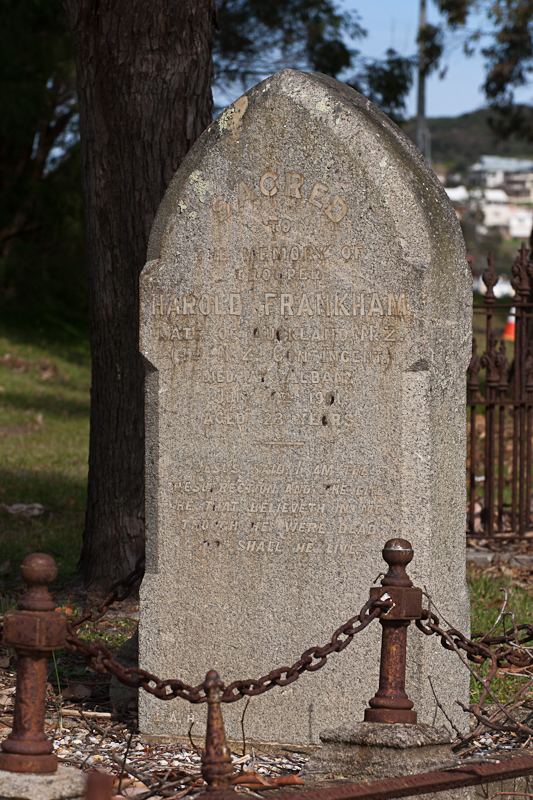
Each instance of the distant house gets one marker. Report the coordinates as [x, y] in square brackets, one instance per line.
[498, 211]
[511, 219]
[519, 184]
[495, 207]
[515, 175]
[501, 196]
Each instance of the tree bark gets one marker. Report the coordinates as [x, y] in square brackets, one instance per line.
[144, 84]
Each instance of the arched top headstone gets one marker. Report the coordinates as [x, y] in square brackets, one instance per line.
[305, 312]
[308, 146]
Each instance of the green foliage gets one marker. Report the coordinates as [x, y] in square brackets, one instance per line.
[42, 267]
[41, 243]
[387, 83]
[455, 11]
[36, 61]
[509, 56]
[256, 38]
[510, 64]
[44, 271]
[430, 40]
[487, 596]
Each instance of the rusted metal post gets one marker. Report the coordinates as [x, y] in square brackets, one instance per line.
[34, 630]
[424, 783]
[216, 758]
[390, 703]
[472, 387]
[99, 786]
[490, 360]
[503, 369]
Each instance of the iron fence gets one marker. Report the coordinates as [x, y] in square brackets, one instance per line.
[36, 629]
[500, 408]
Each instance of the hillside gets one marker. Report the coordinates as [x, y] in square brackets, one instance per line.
[457, 142]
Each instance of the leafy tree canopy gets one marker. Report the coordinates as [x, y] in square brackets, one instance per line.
[40, 216]
[40, 206]
[508, 50]
[257, 37]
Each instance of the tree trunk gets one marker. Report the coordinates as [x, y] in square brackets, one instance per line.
[144, 85]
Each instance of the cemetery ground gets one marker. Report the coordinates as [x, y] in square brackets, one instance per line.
[44, 424]
[44, 400]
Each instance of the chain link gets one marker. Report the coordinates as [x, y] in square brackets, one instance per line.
[100, 658]
[505, 649]
[312, 659]
[119, 591]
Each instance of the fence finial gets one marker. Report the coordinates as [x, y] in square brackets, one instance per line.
[216, 759]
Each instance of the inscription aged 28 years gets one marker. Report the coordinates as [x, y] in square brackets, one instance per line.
[284, 307]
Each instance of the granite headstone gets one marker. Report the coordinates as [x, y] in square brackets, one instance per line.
[305, 319]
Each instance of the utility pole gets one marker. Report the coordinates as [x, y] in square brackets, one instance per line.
[423, 136]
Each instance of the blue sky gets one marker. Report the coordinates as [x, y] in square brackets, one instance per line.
[393, 23]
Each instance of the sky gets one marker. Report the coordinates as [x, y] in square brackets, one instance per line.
[393, 23]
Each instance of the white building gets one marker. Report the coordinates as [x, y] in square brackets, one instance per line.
[502, 197]
[521, 222]
[514, 220]
[457, 194]
[519, 184]
[513, 174]
[495, 207]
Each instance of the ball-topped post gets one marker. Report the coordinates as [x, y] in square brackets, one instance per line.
[397, 553]
[391, 704]
[38, 570]
[33, 630]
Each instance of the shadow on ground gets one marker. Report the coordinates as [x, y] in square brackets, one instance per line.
[56, 531]
[47, 403]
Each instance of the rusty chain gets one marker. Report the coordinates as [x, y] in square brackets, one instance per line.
[119, 591]
[510, 648]
[100, 658]
[312, 659]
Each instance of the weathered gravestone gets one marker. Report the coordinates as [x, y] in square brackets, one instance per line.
[305, 318]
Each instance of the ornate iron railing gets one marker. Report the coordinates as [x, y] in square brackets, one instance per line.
[500, 408]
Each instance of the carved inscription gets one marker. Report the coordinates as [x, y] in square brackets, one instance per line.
[267, 511]
[286, 304]
[290, 185]
[280, 342]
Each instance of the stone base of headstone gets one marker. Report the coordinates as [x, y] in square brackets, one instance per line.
[369, 751]
[65, 784]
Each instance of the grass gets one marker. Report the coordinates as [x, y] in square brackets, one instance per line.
[487, 595]
[44, 428]
[70, 668]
